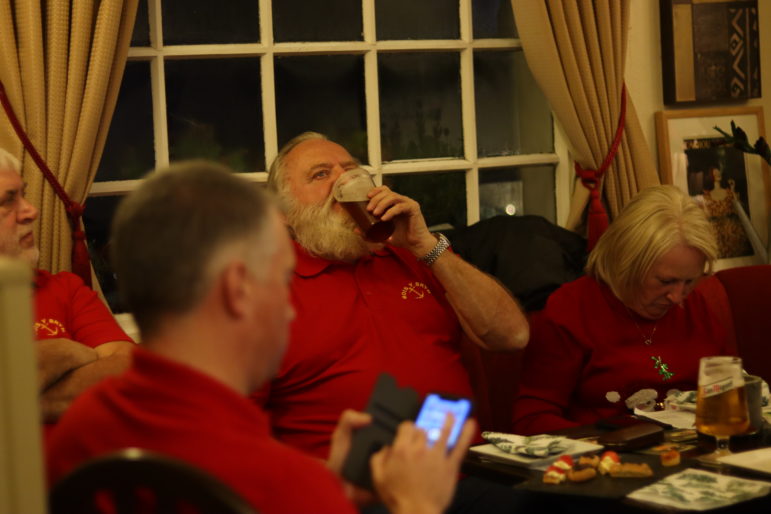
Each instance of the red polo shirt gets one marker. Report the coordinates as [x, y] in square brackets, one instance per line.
[385, 312]
[65, 307]
[166, 407]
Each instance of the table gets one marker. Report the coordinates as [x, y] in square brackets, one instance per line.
[606, 494]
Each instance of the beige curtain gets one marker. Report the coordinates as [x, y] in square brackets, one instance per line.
[62, 62]
[576, 50]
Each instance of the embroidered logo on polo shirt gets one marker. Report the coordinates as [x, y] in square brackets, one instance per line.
[49, 327]
[415, 291]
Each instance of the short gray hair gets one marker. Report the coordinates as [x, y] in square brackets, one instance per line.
[8, 161]
[169, 234]
[276, 178]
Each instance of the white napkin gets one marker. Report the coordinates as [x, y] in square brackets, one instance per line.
[675, 418]
[695, 489]
[533, 446]
[681, 400]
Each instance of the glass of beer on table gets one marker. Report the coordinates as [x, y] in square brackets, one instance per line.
[721, 402]
[350, 191]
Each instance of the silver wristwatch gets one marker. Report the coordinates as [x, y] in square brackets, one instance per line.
[441, 245]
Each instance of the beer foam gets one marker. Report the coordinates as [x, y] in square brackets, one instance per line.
[353, 186]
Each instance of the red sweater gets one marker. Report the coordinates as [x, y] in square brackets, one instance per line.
[585, 346]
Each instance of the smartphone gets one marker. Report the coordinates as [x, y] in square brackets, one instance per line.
[633, 437]
[434, 411]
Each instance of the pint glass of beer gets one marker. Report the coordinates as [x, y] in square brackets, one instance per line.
[350, 191]
[721, 402]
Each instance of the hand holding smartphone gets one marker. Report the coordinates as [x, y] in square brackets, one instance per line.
[389, 405]
[434, 411]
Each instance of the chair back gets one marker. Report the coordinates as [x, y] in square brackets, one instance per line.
[749, 293]
[528, 254]
[134, 480]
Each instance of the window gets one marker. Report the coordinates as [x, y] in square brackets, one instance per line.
[434, 97]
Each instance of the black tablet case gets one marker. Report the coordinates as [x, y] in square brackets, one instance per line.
[389, 405]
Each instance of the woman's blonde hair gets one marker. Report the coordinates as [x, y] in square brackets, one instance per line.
[655, 221]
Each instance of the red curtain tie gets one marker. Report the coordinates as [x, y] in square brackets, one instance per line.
[81, 264]
[597, 219]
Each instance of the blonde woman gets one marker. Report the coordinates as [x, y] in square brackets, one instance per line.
[633, 328]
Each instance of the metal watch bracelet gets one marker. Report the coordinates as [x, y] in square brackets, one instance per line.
[441, 245]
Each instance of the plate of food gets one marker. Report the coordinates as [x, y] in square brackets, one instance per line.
[536, 452]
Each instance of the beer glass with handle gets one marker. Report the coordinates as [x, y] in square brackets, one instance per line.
[721, 403]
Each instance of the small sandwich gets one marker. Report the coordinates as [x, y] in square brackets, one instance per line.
[670, 457]
[631, 470]
[554, 475]
[608, 460]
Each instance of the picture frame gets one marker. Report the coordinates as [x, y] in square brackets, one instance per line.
[695, 157]
[710, 51]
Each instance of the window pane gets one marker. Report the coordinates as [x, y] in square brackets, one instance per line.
[190, 22]
[420, 111]
[513, 116]
[517, 191]
[330, 20]
[442, 196]
[97, 219]
[128, 151]
[323, 93]
[493, 19]
[422, 19]
[215, 111]
[141, 35]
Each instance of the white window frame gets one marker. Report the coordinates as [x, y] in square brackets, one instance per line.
[267, 51]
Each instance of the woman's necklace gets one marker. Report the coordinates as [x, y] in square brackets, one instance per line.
[658, 364]
[647, 341]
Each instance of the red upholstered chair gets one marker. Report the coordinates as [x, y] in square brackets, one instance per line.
[495, 380]
[720, 304]
[748, 290]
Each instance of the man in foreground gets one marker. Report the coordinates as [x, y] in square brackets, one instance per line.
[79, 342]
[204, 263]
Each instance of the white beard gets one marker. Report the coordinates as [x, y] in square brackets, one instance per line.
[11, 248]
[325, 232]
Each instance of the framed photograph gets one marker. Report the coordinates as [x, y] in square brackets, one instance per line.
[695, 157]
[710, 50]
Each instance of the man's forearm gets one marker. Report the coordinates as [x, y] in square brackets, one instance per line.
[57, 357]
[488, 313]
[55, 400]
